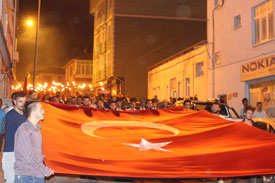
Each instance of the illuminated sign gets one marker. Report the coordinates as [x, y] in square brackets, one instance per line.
[258, 68]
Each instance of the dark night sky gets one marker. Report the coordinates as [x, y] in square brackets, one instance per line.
[66, 29]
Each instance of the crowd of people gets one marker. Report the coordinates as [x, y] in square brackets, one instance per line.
[104, 101]
[258, 110]
[22, 159]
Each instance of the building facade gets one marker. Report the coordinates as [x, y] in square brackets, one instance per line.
[130, 37]
[242, 43]
[8, 54]
[103, 42]
[50, 74]
[182, 75]
[79, 71]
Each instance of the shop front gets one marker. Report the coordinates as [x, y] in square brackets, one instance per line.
[259, 78]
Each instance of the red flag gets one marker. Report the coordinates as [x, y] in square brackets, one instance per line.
[169, 143]
[25, 85]
[25, 89]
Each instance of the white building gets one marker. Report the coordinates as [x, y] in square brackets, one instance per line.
[79, 71]
[242, 42]
[181, 75]
[244, 49]
[8, 54]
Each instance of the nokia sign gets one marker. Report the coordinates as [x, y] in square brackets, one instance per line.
[259, 68]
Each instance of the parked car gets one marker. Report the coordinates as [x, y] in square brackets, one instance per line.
[266, 124]
[226, 111]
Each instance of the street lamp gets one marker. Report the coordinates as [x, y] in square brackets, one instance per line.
[36, 44]
[29, 23]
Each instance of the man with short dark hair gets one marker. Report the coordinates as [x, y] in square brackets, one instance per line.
[259, 112]
[187, 104]
[132, 105]
[29, 166]
[14, 119]
[100, 104]
[112, 105]
[73, 100]
[119, 104]
[216, 108]
[245, 104]
[86, 101]
[93, 102]
[248, 115]
[155, 103]
[32, 95]
[149, 104]
[142, 105]
[79, 101]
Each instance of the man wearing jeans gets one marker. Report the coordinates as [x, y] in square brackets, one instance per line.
[29, 166]
[13, 120]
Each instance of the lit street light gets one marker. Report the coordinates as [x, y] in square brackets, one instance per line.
[29, 23]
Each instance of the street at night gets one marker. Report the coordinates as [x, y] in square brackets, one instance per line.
[142, 91]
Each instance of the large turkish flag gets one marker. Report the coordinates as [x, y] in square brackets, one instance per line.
[172, 143]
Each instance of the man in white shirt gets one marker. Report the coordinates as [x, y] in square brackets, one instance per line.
[259, 112]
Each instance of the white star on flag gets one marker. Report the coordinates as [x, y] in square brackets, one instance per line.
[145, 145]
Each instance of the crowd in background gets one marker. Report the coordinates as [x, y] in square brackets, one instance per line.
[121, 103]
[104, 101]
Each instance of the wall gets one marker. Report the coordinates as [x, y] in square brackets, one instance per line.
[180, 68]
[7, 37]
[103, 41]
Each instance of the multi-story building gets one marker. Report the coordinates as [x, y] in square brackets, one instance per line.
[182, 75]
[8, 54]
[243, 47]
[49, 74]
[131, 36]
[79, 71]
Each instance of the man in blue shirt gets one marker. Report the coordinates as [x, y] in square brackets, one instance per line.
[13, 120]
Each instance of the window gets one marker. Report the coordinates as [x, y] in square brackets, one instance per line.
[217, 3]
[261, 125]
[263, 22]
[217, 57]
[199, 69]
[187, 87]
[84, 68]
[88, 69]
[237, 21]
[172, 86]
[71, 70]
[78, 66]
[271, 129]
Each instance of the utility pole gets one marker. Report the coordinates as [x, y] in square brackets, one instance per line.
[36, 45]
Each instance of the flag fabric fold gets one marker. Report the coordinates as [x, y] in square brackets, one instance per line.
[168, 143]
